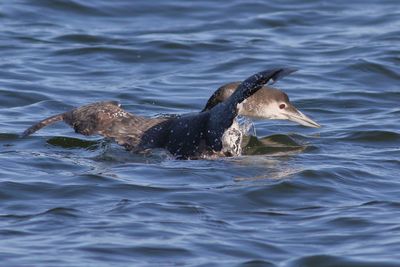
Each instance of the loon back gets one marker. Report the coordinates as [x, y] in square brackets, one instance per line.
[186, 136]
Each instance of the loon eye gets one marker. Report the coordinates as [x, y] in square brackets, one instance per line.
[282, 106]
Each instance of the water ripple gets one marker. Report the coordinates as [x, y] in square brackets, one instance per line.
[298, 197]
[325, 260]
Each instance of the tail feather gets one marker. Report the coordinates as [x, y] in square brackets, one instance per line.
[43, 123]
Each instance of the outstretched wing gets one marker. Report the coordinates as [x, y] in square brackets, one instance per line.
[220, 95]
[110, 120]
[104, 118]
[223, 114]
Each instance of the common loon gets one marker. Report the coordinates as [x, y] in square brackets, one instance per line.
[267, 103]
[212, 131]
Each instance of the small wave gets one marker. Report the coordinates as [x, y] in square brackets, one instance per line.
[62, 211]
[95, 50]
[372, 136]
[13, 233]
[8, 136]
[332, 261]
[371, 69]
[139, 252]
[255, 263]
[12, 99]
[350, 222]
[122, 54]
[57, 211]
[382, 203]
[87, 39]
[74, 7]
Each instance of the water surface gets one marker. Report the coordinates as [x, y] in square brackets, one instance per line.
[301, 197]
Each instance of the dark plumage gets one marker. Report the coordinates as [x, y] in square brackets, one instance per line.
[185, 136]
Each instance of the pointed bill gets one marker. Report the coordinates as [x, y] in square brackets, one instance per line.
[295, 115]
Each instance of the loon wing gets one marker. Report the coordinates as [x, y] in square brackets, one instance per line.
[221, 94]
[223, 114]
[104, 118]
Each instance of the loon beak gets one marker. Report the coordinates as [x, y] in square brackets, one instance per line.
[295, 115]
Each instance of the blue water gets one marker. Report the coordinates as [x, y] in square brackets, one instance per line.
[300, 197]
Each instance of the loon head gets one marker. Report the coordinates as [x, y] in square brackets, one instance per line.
[267, 103]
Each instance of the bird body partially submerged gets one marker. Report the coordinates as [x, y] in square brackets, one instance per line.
[212, 131]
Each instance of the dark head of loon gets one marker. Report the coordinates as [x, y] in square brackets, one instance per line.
[267, 103]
